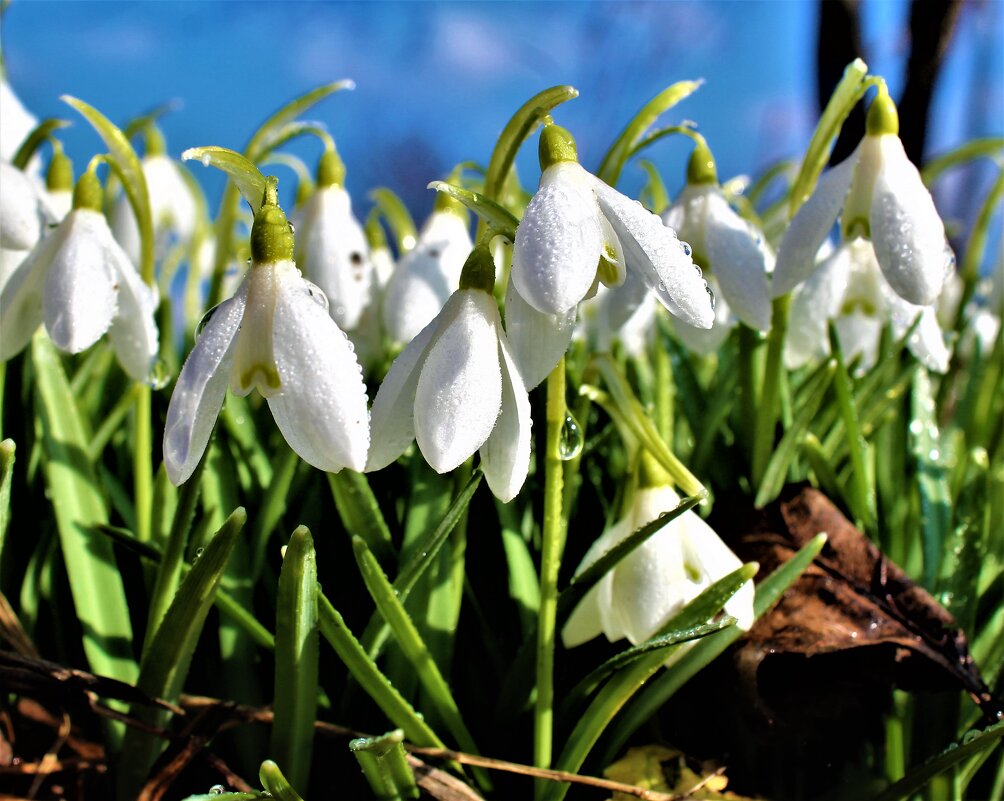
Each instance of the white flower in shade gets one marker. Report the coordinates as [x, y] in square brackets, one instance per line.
[427, 275]
[80, 283]
[275, 335]
[23, 212]
[850, 289]
[16, 122]
[455, 389]
[883, 199]
[331, 246]
[574, 219]
[724, 244]
[656, 580]
[625, 315]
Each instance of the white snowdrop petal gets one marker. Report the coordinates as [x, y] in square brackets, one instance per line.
[459, 391]
[708, 340]
[704, 552]
[426, 276]
[810, 227]
[21, 296]
[688, 214]
[906, 230]
[505, 456]
[537, 340]
[926, 342]
[21, 223]
[616, 307]
[171, 202]
[559, 241]
[79, 299]
[125, 229]
[737, 257]
[653, 249]
[590, 617]
[859, 335]
[392, 418]
[321, 406]
[201, 388]
[813, 304]
[133, 332]
[332, 252]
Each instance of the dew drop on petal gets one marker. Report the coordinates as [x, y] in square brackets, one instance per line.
[317, 294]
[570, 443]
[217, 789]
[949, 260]
[687, 249]
[205, 321]
[160, 376]
[710, 295]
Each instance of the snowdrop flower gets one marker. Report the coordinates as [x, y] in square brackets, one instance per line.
[724, 244]
[79, 282]
[626, 315]
[850, 289]
[275, 336]
[427, 275]
[15, 123]
[884, 200]
[331, 246]
[456, 389]
[577, 230]
[59, 184]
[661, 576]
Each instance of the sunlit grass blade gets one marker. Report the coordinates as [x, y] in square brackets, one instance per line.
[524, 588]
[385, 763]
[989, 148]
[499, 219]
[6, 477]
[932, 475]
[706, 651]
[98, 594]
[296, 659]
[273, 780]
[360, 512]
[166, 662]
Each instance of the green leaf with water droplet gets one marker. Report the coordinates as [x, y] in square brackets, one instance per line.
[499, 219]
[932, 474]
[245, 175]
[360, 513]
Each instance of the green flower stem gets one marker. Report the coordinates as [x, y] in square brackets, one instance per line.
[543, 715]
[750, 380]
[970, 151]
[770, 393]
[143, 462]
[664, 395]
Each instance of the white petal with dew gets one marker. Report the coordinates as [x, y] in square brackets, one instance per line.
[688, 216]
[321, 407]
[738, 256]
[133, 332]
[80, 295]
[537, 340]
[906, 229]
[392, 418]
[859, 336]
[505, 456]
[21, 297]
[810, 227]
[617, 310]
[653, 250]
[558, 242]
[201, 388]
[707, 340]
[927, 342]
[704, 552]
[587, 619]
[459, 391]
[172, 205]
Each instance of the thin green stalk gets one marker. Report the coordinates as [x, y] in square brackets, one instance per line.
[970, 151]
[977, 246]
[664, 395]
[142, 464]
[111, 424]
[770, 394]
[543, 714]
[750, 380]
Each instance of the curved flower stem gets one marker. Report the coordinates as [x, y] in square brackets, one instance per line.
[766, 419]
[143, 463]
[976, 248]
[543, 716]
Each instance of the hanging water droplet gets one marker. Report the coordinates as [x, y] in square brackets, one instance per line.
[160, 376]
[205, 321]
[570, 443]
[687, 249]
[205, 160]
[949, 260]
[198, 553]
[292, 228]
[710, 295]
[317, 294]
[217, 789]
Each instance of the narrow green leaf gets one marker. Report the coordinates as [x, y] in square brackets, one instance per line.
[398, 218]
[812, 450]
[499, 219]
[524, 587]
[387, 751]
[932, 475]
[989, 148]
[95, 583]
[616, 157]
[296, 659]
[365, 671]
[257, 148]
[243, 172]
[228, 797]
[273, 506]
[271, 779]
[360, 512]
[33, 141]
[6, 477]
[653, 194]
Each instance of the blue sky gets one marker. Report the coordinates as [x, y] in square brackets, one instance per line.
[437, 81]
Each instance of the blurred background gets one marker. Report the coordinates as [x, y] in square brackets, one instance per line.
[437, 81]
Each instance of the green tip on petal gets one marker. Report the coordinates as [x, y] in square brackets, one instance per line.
[154, 141]
[87, 194]
[330, 170]
[59, 177]
[701, 168]
[882, 115]
[651, 473]
[304, 189]
[479, 270]
[556, 144]
[375, 236]
[444, 202]
[271, 235]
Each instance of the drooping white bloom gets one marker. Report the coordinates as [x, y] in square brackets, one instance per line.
[883, 198]
[427, 275]
[23, 212]
[16, 122]
[275, 335]
[80, 283]
[661, 576]
[574, 219]
[455, 389]
[850, 289]
[625, 315]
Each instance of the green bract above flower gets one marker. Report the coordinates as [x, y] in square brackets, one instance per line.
[80, 283]
[274, 335]
[658, 578]
[456, 389]
[883, 199]
[574, 220]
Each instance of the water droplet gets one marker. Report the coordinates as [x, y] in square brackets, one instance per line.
[710, 295]
[206, 161]
[217, 789]
[916, 427]
[934, 455]
[317, 294]
[198, 553]
[292, 228]
[687, 249]
[570, 444]
[205, 321]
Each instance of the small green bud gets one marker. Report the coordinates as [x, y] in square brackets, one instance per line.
[556, 144]
[304, 189]
[701, 168]
[59, 177]
[651, 473]
[154, 141]
[271, 234]
[882, 115]
[330, 170]
[479, 270]
[375, 236]
[87, 194]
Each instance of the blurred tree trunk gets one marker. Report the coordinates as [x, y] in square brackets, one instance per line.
[838, 44]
